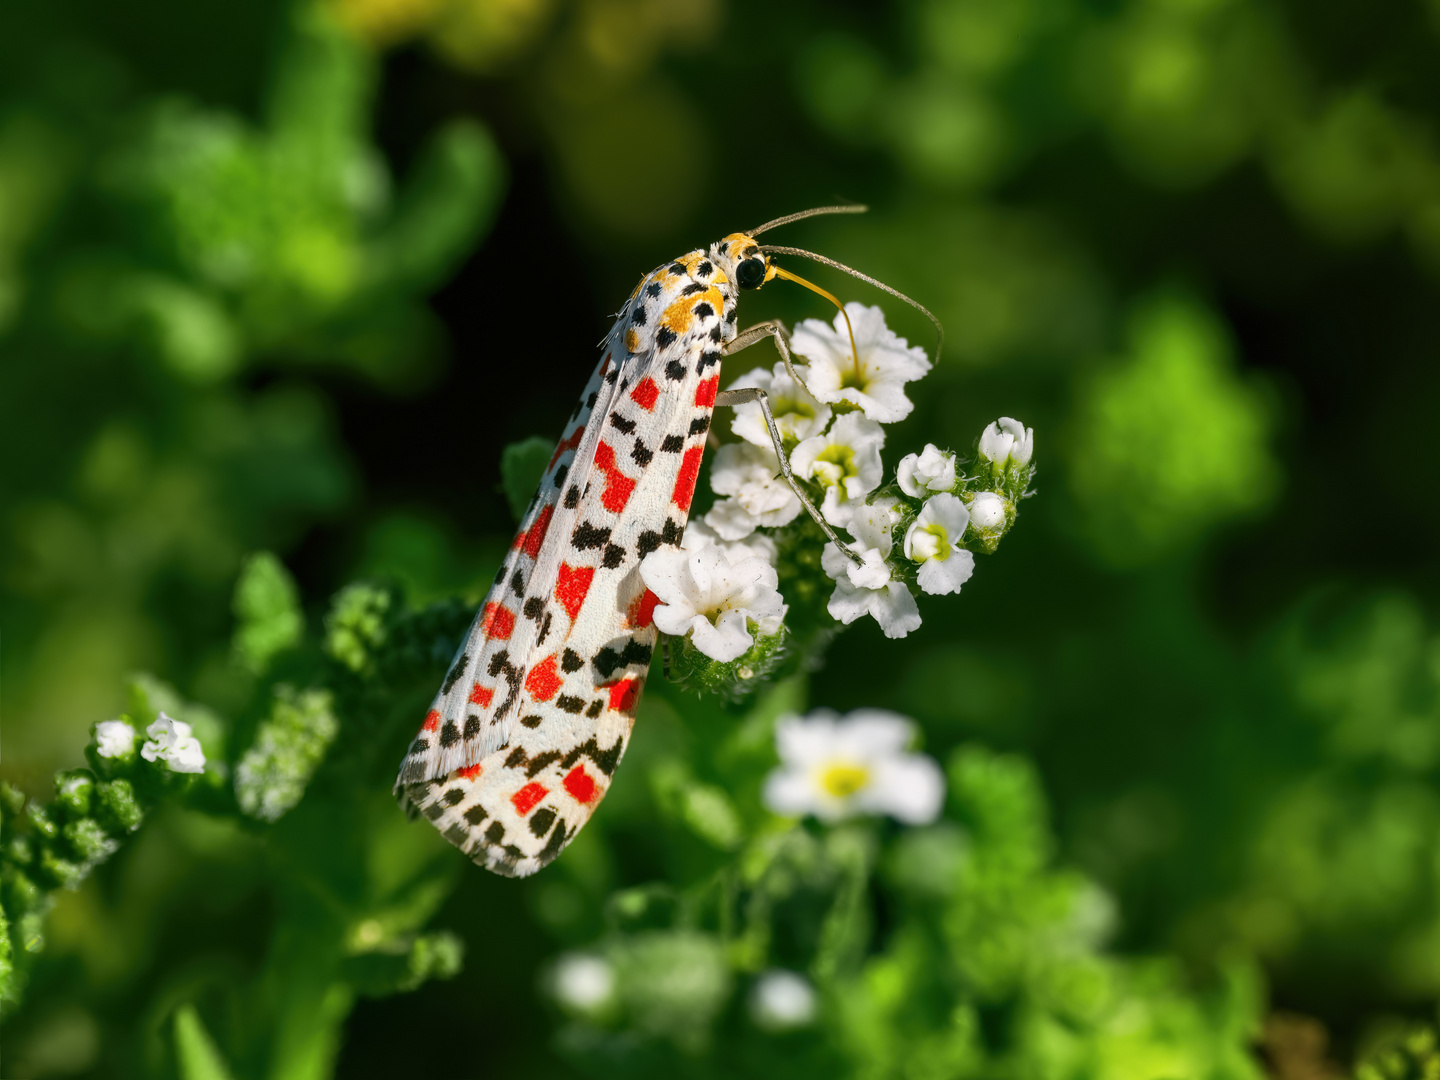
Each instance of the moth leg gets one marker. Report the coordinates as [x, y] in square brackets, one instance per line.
[744, 395]
[665, 655]
[760, 331]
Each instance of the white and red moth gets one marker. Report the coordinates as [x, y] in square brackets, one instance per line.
[524, 736]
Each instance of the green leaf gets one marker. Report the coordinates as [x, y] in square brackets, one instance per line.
[268, 610]
[198, 1056]
[521, 467]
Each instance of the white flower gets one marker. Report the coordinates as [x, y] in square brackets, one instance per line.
[887, 363]
[869, 589]
[797, 414]
[1008, 440]
[835, 767]
[987, 512]
[755, 546]
[759, 495]
[583, 982]
[922, 474]
[114, 738]
[845, 460]
[782, 1001]
[172, 742]
[932, 541]
[703, 594]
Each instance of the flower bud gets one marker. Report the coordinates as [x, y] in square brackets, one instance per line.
[1007, 442]
[112, 747]
[987, 512]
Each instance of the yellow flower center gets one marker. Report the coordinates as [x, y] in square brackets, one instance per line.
[834, 464]
[792, 407]
[843, 779]
[930, 542]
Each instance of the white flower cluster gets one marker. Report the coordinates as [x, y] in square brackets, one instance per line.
[722, 590]
[172, 742]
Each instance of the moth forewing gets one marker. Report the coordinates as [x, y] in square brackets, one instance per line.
[534, 715]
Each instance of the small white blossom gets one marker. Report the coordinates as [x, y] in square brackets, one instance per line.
[703, 594]
[583, 982]
[759, 495]
[172, 742]
[797, 414]
[987, 512]
[782, 1001]
[836, 767]
[755, 546]
[1008, 440]
[886, 363]
[114, 738]
[845, 460]
[932, 540]
[925, 473]
[870, 588]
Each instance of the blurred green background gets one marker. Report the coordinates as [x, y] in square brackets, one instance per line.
[290, 276]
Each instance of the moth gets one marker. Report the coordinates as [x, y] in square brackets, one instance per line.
[533, 717]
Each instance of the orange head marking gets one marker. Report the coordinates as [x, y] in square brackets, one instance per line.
[754, 267]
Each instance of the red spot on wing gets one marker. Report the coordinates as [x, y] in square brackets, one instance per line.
[618, 486]
[642, 609]
[536, 536]
[689, 473]
[432, 721]
[645, 393]
[578, 783]
[526, 798]
[618, 489]
[499, 622]
[624, 693]
[481, 695]
[543, 682]
[569, 443]
[571, 585]
[470, 772]
[705, 392]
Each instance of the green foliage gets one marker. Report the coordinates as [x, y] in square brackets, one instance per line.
[268, 611]
[1169, 441]
[1414, 1056]
[521, 467]
[196, 1055]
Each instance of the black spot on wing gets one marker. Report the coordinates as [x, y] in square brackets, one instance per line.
[609, 660]
[605, 760]
[588, 536]
[453, 676]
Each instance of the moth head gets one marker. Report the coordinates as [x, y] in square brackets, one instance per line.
[751, 266]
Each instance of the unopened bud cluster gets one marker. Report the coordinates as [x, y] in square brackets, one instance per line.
[55, 845]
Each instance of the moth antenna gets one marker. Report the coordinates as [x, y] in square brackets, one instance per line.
[771, 249]
[849, 208]
[786, 275]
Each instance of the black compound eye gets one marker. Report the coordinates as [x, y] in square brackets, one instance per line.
[750, 273]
